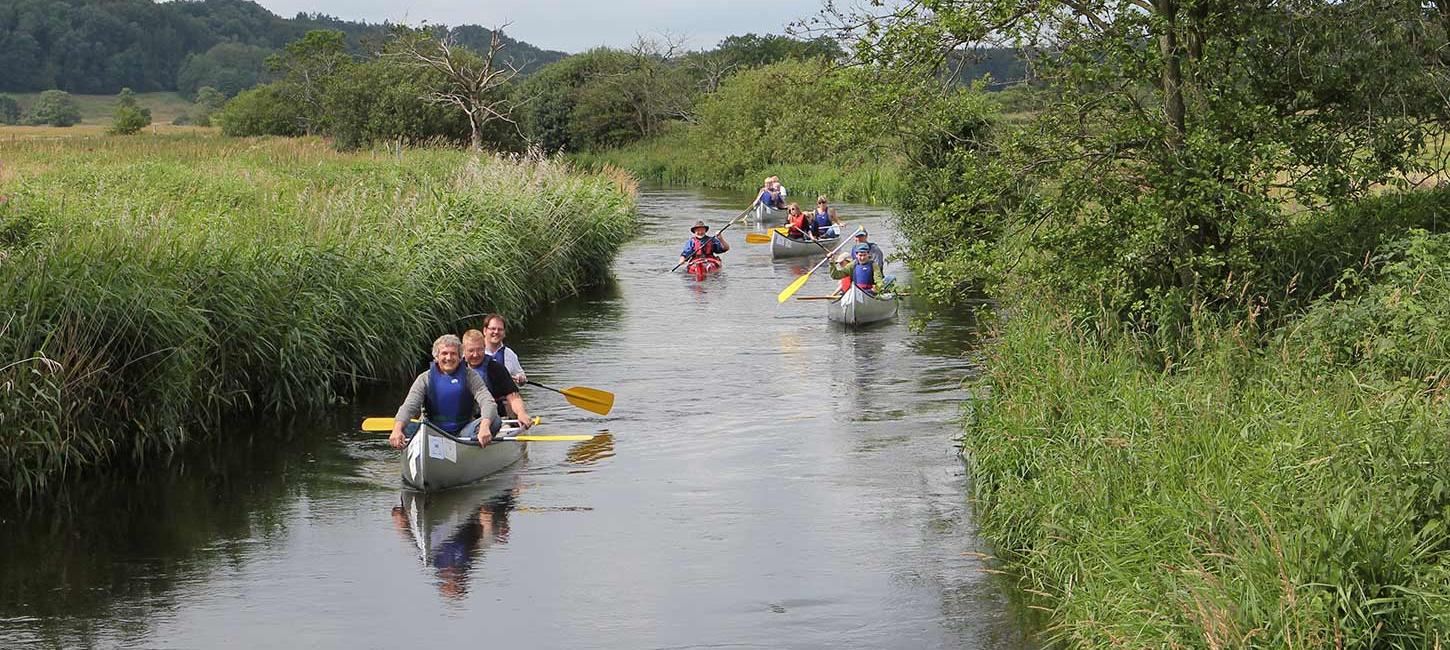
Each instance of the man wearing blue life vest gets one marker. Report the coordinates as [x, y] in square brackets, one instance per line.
[494, 330]
[861, 270]
[701, 244]
[495, 377]
[772, 194]
[876, 254]
[447, 394]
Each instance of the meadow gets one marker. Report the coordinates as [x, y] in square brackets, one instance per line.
[151, 285]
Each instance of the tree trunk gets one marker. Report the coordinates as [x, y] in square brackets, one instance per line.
[1171, 76]
[475, 132]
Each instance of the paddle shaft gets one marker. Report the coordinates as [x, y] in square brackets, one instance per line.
[717, 234]
[799, 282]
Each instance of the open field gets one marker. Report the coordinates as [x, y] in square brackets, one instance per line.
[96, 109]
[150, 285]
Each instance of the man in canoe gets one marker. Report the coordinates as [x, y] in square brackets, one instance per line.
[495, 376]
[876, 254]
[447, 393]
[494, 330]
[701, 244]
[860, 269]
[772, 195]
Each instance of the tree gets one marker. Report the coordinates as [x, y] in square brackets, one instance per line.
[264, 110]
[303, 69]
[751, 50]
[1177, 132]
[56, 108]
[472, 83]
[227, 67]
[129, 117]
[208, 101]
[9, 110]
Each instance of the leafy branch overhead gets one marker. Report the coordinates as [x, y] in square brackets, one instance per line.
[472, 82]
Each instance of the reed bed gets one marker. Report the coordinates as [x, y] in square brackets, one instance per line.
[672, 160]
[150, 286]
[1294, 494]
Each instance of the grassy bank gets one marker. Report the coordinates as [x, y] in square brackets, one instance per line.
[674, 160]
[152, 285]
[1284, 488]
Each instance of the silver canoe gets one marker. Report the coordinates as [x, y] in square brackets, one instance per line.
[435, 460]
[857, 307]
[765, 213]
[782, 246]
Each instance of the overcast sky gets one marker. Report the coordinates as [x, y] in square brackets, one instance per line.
[576, 25]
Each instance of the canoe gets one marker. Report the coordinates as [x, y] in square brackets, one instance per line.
[765, 213]
[857, 307]
[435, 460]
[782, 246]
[701, 266]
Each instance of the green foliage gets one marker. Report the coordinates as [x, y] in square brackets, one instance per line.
[752, 50]
[208, 101]
[129, 117]
[9, 110]
[1249, 498]
[99, 47]
[152, 286]
[263, 110]
[55, 108]
[381, 101]
[227, 67]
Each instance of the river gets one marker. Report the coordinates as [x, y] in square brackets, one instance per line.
[766, 479]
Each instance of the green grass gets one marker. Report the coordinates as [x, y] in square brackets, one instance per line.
[97, 109]
[671, 160]
[151, 285]
[1294, 494]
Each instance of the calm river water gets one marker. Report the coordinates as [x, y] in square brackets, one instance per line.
[767, 479]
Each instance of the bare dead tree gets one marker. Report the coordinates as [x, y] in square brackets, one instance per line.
[471, 80]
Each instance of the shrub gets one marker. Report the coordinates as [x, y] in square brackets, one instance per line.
[55, 108]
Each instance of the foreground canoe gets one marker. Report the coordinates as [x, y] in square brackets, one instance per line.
[856, 307]
[782, 246]
[435, 460]
[701, 266]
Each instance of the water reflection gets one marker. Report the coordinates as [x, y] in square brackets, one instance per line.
[592, 451]
[452, 529]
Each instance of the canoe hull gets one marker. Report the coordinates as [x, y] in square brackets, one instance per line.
[767, 214]
[434, 460]
[856, 307]
[782, 246]
[702, 267]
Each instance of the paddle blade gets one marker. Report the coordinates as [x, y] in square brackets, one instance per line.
[757, 238]
[533, 438]
[590, 399]
[377, 424]
[789, 291]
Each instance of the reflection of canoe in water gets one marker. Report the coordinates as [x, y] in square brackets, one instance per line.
[450, 529]
[857, 307]
[782, 246]
[435, 460]
[702, 266]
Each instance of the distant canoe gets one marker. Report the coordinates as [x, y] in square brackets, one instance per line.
[782, 246]
[767, 214]
[856, 307]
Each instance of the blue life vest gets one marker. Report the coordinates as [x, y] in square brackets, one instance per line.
[767, 198]
[498, 356]
[862, 276]
[823, 220]
[448, 402]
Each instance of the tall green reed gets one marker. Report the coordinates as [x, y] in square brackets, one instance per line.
[150, 287]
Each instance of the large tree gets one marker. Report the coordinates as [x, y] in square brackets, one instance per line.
[1175, 132]
[469, 81]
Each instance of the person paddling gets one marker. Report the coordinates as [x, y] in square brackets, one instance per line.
[771, 195]
[860, 269]
[701, 245]
[799, 225]
[876, 254]
[494, 330]
[447, 393]
[827, 223]
[495, 376]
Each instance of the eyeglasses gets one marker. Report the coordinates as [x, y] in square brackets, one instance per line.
[493, 329]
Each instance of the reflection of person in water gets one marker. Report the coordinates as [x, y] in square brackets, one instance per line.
[454, 557]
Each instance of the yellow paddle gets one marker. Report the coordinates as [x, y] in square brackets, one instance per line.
[386, 424]
[717, 234]
[762, 237]
[789, 291]
[589, 399]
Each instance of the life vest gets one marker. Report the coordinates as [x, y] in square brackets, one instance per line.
[823, 219]
[798, 226]
[498, 356]
[448, 401]
[773, 199]
[482, 371]
[702, 247]
[863, 277]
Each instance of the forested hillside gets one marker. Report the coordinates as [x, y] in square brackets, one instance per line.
[94, 47]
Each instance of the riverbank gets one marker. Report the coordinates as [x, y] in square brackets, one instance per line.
[673, 159]
[1279, 487]
[153, 285]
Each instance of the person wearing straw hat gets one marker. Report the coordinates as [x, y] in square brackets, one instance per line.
[702, 244]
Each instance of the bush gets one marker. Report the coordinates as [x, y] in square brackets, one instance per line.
[129, 117]
[55, 108]
[9, 110]
[263, 110]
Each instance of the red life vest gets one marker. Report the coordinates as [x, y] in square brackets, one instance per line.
[797, 228]
[703, 248]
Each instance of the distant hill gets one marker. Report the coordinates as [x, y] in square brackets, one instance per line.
[100, 46]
